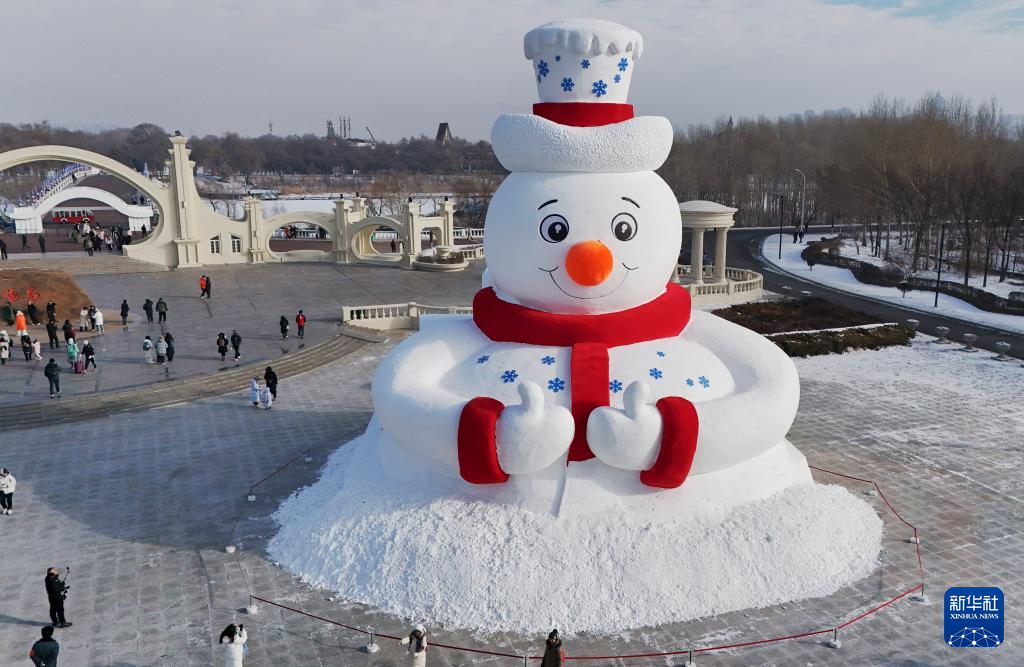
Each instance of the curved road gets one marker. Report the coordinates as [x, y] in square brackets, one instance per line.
[744, 247]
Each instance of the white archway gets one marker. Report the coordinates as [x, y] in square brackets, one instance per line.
[326, 221]
[136, 214]
[360, 241]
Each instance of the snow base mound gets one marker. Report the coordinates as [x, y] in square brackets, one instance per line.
[462, 562]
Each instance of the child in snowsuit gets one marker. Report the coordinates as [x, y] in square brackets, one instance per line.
[417, 641]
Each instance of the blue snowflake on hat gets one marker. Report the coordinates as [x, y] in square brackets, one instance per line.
[600, 88]
[542, 68]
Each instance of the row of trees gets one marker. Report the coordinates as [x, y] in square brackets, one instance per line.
[234, 154]
[896, 171]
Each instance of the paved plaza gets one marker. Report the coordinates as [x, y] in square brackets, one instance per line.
[140, 506]
[251, 299]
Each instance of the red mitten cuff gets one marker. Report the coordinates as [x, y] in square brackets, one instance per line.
[478, 448]
[678, 444]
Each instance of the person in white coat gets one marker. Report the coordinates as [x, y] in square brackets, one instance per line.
[99, 320]
[417, 641]
[7, 486]
[232, 642]
[254, 392]
[5, 347]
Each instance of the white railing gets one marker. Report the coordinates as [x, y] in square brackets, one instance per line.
[475, 251]
[396, 315]
[737, 282]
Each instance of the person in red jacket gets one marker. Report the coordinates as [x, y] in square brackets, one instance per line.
[202, 287]
[300, 323]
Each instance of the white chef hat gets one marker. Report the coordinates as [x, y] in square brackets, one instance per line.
[582, 123]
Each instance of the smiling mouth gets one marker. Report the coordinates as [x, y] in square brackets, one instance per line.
[551, 274]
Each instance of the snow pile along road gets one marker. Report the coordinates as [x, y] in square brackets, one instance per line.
[420, 549]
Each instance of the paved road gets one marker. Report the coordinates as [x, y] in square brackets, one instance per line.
[744, 253]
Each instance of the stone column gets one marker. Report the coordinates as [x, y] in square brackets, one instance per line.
[697, 256]
[720, 235]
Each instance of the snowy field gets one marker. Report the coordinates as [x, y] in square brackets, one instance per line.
[842, 279]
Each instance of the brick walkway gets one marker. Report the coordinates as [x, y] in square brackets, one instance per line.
[141, 505]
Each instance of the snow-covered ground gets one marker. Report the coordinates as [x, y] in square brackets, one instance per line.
[850, 249]
[843, 279]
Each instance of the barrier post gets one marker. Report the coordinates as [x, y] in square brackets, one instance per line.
[834, 642]
[371, 647]
[689, 660]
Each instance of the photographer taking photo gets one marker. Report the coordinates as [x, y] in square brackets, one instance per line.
[56, 591]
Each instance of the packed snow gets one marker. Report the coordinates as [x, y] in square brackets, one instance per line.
[420, 550]
[843, 279]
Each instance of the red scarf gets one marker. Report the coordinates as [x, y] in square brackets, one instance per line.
[589, 336]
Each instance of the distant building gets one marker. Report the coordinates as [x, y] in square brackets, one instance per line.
[332, 138]
[444, 134]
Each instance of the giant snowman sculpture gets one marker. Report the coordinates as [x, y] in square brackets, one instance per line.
[586, 450]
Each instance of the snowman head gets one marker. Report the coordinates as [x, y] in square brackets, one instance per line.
[582, 225]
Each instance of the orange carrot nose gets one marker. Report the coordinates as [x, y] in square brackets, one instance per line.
[589, 263]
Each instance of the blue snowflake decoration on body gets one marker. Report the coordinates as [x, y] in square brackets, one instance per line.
[618, 78]
[615, 386]
[655, 373]
[483, 359]
[623, 64]
[558, 59]
[600, 88]
[689, 382]
[568, 84]
[542, 68]
[660, 353]
[509, 376]
[585, 64]
[704, 382]
[556, 385]
[548, 360]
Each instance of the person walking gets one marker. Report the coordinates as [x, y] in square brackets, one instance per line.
[3, 249]
[87, 244]
[417, 641]
[202, 287]
[148, 308]
[37, 349]
[254, 392]
[270, 377]
[7, 486]
[98, 321]
[161, 351]
[42, 244]
[56, 591]
[26, 347]
[52, 372]
[5, 348]
[73, 354]
[161, 310]
[32, 312]
[51, 332]
[222, 346]
[51, 311]
[20, 324]
[209, 286]
[300, 324]
[236, 343]
[147, 349]
[553, 652]
[124, 312]
[169, 339]
[284, 327]
[83, 318]
[46, 649]
[69, 331]
[24, 242]
[92, 317]
[233, 648]
[89, 354]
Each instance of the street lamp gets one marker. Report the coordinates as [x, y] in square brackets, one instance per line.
[803, 192]
[782, 217]
[938, 273]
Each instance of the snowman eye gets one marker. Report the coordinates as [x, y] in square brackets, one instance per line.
[624, 226]
[554, 229]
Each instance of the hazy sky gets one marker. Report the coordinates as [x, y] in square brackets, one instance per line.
[207, 66]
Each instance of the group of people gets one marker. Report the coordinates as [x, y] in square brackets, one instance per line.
[30, 347]
[263, 393]
[96, 238]
[300, 325]
[159, 352]
[554, 654]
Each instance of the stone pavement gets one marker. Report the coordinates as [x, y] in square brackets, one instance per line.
[141, 507]
[248, 298]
